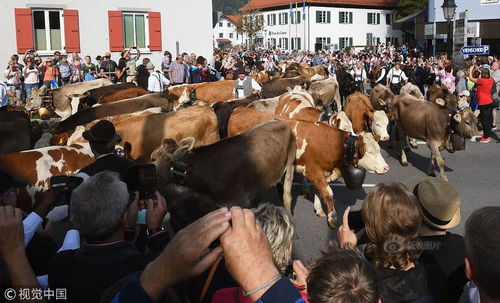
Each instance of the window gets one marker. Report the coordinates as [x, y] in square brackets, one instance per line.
[47, 30]
[388, 19]
[271, 19]
[221, 35]
[323, 17]
[220, 24]
[231, 35]
[345, 17]
[229, 24]
[283, 43]
[283, 18]
[134, 30]
[373, 18]
[271, 42]
[296, 17]
[345, 42]
[296, 44]
[323, 40]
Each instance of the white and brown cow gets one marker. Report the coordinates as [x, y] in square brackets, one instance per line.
[364, 118]
[37, 166]
[293, 101]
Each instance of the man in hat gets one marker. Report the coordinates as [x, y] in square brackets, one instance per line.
[440, 205]
[102, 138]
[245, 86]
[107, 69]
[156, 80]
[396, 78]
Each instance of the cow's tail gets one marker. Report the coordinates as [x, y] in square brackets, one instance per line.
[288, 180]
[337, 98]
[222, 119]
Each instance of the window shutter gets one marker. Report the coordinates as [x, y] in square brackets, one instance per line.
[298, 17]
[286, 21]
[328, 17]
[154, 31]
[350, 17]
[71, 31]
[268, 19]
[279, 19]
[368, 18]
[328, 41]
[24, 30]
[318, 16]
[350, 41]
[378, 18]
[115, 24]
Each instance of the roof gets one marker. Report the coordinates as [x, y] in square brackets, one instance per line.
[411, 17]
[275, 3]
[233, 18]
[223, 41]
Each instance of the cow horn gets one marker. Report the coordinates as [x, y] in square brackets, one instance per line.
[457, 118]
[440, 101]
[476, 113]
[382, 102]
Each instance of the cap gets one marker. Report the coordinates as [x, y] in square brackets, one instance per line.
[150, 66]
[107, 54]
[102, 132]
[8, 181]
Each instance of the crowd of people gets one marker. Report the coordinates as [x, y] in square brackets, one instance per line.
[101, 242]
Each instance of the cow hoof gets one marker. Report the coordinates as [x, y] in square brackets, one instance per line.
[414, 146]
[332, 219]
[320, 213]
[450, 150]
[404, 163]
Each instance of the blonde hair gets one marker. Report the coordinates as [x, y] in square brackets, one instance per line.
[278, 226]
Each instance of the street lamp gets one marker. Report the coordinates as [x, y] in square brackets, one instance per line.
[449, 7]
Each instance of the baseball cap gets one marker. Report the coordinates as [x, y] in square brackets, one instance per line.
[8, 181]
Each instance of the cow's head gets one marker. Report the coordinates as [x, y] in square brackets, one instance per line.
[379, 125]
[372, 160]
[168, 156]
[341, 121]
[36, 98]
[465, 122]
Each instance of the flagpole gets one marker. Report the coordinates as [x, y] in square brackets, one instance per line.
[290, 15]
[304, 21]
[296, 25]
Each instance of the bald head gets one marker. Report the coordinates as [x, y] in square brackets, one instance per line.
[495, 66]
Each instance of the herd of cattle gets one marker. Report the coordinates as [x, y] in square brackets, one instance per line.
[202, 140]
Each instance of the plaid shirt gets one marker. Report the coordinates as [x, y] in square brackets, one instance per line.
[178, 72]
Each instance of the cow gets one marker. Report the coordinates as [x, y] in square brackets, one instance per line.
[141, 134]
[310, 72]
[432, 123]
[280, 86]
[261, 77]
[413, 90]
[292, 101]
[36, 167]
[117, 108]
[90, 97]
[381, 98]
[265, 105]
[325, 92]
[346, 82]
[211, 92]
[235, 170]
[320, 152]
[291, 74]
[61, 97]
[442, 97]
[224, 109]
[364, 118]
[15, 132]
[312, 114]
[123, 94]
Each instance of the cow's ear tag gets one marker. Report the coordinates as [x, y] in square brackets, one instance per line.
[440, 102]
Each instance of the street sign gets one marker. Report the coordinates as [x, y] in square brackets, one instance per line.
[475, 50]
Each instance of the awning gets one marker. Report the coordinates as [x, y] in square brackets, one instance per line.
[222, 41]
[408, 21]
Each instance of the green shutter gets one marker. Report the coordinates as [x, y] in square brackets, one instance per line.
[378, 18]
[340, 17]
[318, 40]
[350, 17]
[328, 17]
[286, 18]
[328, 40]
[318, 16]
[350, 41]
[298, 17]
[368, 18]
[268, 19]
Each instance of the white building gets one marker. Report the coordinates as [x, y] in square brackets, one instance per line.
[93, 27]
[225, 33]
[335, 24]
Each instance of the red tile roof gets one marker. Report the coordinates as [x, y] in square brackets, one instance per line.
[233, 18]
[274, 3]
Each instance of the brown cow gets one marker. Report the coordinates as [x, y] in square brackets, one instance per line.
[208, 92]
[412, 90]
[310, 72]
[261, 77]
[265, 105]
[143, 133]
[381, 98]
[325, 92]
[127, 93]
[131, 105]
[235, 170]
[90, 97]
[435, 93]
[320, 152]
[430, 122]
[36, 167]
[364, 118]
[293, 101]
[276, 87]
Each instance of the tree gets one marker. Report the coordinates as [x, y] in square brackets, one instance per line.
[408, 7]
[250, 23]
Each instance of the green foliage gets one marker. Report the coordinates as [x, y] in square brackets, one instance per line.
[408, 7]
[228, 6]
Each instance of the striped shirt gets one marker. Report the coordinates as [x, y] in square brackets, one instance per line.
[178, 72]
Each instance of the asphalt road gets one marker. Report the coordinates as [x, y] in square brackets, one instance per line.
[474, 172]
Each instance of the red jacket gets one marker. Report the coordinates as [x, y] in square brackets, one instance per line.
[484, 87]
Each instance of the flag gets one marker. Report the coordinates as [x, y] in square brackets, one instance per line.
[304, 10]
[291, 13]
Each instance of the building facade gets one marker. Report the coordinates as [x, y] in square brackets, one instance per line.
[327, 24]
[225, 33]
[93, 27]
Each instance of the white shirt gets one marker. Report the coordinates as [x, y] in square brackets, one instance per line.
[156, 81]
[4, 99]
[359, 75]
[240, 93]
[399, 75]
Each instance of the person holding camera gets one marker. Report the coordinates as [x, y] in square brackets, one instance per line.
[13, 76]
[102, 138]
[127, 65]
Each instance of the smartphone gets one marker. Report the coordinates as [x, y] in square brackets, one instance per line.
[71, 182]
[142, 178]
[356, 221]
